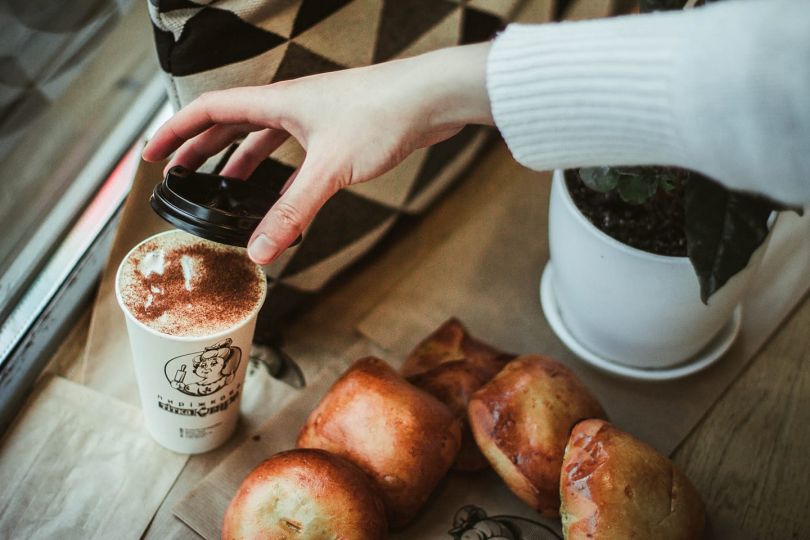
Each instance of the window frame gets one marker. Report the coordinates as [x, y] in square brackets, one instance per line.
[47, 308]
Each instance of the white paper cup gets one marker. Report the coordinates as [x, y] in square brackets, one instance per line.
[180, 412]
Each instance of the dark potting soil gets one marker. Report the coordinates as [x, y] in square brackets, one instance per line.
[656, 226]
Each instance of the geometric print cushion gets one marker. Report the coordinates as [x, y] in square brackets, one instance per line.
[212, 45]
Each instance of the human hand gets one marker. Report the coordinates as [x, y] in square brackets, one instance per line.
[354, 125]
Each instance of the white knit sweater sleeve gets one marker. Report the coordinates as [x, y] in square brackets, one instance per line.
[724, 90]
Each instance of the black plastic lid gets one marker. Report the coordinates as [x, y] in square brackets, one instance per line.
[218, 208]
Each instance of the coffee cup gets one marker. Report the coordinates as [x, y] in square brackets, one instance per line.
[190, 307]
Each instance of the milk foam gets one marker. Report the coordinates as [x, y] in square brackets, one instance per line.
[168, 292]
[187, 264]
[152, 262]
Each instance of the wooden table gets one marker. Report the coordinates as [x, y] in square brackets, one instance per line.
[747, 456]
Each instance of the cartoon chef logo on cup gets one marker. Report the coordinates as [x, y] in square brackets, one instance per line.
[204, 372]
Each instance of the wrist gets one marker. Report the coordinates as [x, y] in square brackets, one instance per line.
[454, 83]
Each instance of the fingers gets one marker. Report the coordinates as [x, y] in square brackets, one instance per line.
[289, 181]
[250, 153]
[256, 105]
[196, 150]
[291, 214]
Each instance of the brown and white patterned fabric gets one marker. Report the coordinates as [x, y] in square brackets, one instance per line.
[209, 45]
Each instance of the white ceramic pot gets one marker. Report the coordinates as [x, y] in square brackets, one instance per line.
[627, 305]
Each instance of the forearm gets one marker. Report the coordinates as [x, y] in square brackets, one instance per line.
[720, 90]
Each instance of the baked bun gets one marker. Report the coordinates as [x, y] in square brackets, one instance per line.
[306, 495]
[451, 365]
[453, 383]
[521, 420]
[402, 437]
[615, 486]
[450, 342]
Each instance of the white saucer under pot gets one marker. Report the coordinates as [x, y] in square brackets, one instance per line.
[627, 305]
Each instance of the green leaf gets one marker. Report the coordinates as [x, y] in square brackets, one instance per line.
[667, 179]
[601, 179]
[723, 229]
[636, 189]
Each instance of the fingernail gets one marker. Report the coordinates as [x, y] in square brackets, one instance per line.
[262, 250]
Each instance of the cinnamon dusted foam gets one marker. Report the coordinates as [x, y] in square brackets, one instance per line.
[183, 285]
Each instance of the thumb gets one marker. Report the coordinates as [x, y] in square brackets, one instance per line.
[295, 209]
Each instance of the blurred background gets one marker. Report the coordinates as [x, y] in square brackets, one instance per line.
[79, 85]
[69, 73]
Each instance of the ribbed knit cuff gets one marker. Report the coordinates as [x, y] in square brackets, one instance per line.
[588, 93]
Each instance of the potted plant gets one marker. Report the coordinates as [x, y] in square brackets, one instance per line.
[650, 263]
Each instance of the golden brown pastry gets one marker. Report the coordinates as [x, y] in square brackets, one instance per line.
[453, 383]
[614, 486]
[402, 437]
[450, 342]
[306, 495]
[451, 365]
[521, 420]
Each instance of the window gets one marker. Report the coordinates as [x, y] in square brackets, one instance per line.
[79, 84]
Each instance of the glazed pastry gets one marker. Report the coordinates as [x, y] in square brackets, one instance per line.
[453, 383]
[451, 365]
[614, 486]
[402, 437]
[306, 495]
[521, 420]
[450, 342]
